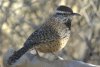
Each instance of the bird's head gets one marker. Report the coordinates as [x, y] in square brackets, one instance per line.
[65, 13]
[66, 10]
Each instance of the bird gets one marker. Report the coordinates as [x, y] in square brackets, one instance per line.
[51, 36]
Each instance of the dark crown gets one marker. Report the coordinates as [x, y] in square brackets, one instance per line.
[65, 9]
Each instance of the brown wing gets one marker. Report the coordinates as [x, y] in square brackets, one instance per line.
[44, 34]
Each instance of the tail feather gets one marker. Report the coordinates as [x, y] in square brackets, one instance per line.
[17, 55]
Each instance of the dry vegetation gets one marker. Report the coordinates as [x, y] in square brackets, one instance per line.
[19, 18]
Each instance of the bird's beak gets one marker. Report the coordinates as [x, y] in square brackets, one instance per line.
[76, 14]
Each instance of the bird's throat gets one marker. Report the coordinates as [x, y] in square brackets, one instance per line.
[68, 24]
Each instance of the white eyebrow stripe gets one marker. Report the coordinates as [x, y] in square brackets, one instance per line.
[62, 12]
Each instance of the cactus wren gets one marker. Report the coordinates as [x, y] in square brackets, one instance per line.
[52, 36]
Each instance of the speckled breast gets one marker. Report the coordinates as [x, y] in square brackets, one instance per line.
[52, 46]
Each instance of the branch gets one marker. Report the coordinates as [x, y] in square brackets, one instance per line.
[30, 60]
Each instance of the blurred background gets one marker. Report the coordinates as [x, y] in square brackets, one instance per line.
[19, 18]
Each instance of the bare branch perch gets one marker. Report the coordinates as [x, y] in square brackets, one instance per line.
[30, 60]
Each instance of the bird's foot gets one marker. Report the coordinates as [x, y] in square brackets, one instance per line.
[60, 58]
